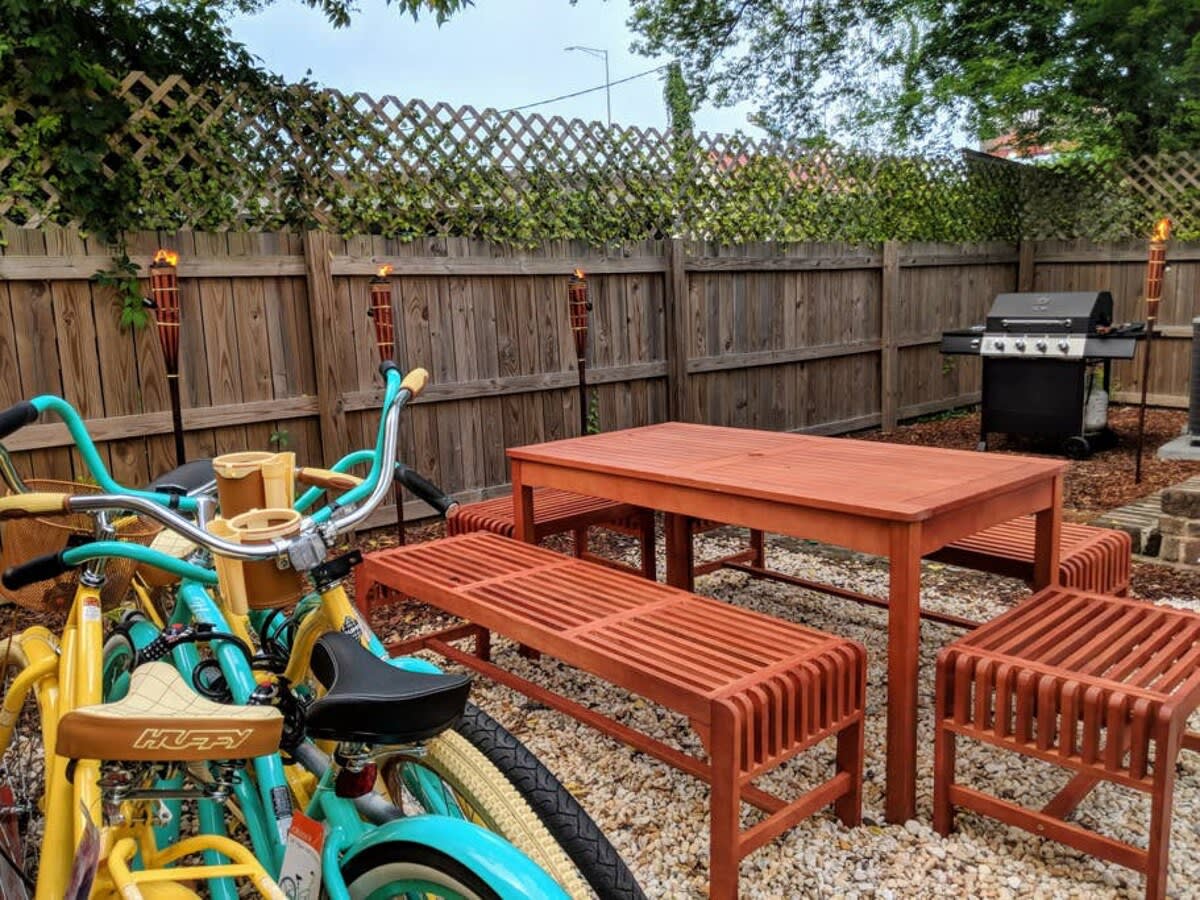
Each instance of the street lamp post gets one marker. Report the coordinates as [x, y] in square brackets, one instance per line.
[600, 54]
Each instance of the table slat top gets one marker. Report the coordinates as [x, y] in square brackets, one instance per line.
[891, 481]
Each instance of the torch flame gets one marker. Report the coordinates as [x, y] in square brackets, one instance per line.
[579, 274]
[170, 257]
[384, 271]
[1162, 231]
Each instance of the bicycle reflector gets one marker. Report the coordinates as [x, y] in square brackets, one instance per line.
[355, 781]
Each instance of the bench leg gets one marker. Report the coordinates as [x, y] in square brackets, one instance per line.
[581, 542]
[680, 556]
[945, 753]
[1161, 805]
[850, 750]
[725, 804]
[649, 557]
[759, 546]
[363, 586]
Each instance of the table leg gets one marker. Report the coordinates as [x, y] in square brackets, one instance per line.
[677, 530]
[904, 647]
[523, 524]
[1048, 540]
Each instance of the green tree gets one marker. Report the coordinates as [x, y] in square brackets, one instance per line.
[1121, 76]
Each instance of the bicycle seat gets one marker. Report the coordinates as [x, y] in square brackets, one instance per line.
[183, 480]
[163, 719]
[370, 701]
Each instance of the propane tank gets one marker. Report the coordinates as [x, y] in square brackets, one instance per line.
[1095, 411]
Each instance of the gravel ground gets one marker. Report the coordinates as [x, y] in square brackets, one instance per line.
[657, 817]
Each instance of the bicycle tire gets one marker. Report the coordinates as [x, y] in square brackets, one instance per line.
[490, 800]
[578, 856]
[576, 832]
[402, 869]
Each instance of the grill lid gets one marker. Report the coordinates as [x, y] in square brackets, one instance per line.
[1067, 312]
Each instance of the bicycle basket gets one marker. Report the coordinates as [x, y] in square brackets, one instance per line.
[23, 539]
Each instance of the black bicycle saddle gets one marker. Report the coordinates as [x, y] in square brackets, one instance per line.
[370, 701]
[181, 481]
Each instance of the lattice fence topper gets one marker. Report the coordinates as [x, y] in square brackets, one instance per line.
[211, 158]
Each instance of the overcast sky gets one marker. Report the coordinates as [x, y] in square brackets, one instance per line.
[499, 53]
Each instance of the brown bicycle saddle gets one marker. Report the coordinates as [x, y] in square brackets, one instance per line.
[163, 719]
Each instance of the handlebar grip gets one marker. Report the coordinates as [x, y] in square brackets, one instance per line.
[414, 382]
[20, 506]
[327, 479]
[422, 487]
[40, 568]
[17, 417]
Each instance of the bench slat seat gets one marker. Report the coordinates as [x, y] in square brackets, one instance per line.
[1091, 559]
[757, 690]
[1100, 685]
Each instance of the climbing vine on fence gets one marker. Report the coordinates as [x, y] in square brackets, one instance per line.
[212, 158]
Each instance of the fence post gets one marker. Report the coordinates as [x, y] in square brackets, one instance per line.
[1026, 263]
[889, 353]
[675, 310]
[322, 310]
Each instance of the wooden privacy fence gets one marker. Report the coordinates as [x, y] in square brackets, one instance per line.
[277, 349]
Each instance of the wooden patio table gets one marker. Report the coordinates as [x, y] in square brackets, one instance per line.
[892, 500]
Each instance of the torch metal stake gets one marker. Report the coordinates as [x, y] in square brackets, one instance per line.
[176, 418]
[583, 398]
[1141, 430]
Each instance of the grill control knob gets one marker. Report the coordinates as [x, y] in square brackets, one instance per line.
[1064, 346]
[1041, 345]
[1020, 346]
[999, 345]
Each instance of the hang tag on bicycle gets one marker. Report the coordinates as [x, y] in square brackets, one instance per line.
[300, 875]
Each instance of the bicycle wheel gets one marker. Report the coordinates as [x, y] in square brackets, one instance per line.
[22, 785]
[399, 869]
[499, 783]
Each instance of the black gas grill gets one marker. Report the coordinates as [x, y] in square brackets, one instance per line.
[1041, 355]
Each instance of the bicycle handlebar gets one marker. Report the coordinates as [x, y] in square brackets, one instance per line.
[339, 516]
[40, 568]
[23, 506]
[17, 417]
[422, 487]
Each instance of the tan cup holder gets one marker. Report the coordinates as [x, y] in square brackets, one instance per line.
[257, 585]
[254, 480]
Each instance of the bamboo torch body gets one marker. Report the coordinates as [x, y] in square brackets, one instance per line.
[579, 305]
[164, 291]
[1156, 266]
[385, 340]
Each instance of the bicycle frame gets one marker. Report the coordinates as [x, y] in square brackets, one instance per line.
[64, 675]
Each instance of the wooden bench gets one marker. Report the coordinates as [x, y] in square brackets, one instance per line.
[757, 690]
[1091, 559]
[562, 512]
[1100, 685]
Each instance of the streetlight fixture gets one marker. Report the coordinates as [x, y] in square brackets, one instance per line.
[599, 54]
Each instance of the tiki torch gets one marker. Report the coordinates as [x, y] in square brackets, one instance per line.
[1155, 267]
[164, 290]
[579, 305]
[381, 314]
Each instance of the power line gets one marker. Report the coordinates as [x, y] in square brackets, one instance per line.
[590, 90]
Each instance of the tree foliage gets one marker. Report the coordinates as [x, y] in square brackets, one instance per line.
[1121, 76]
